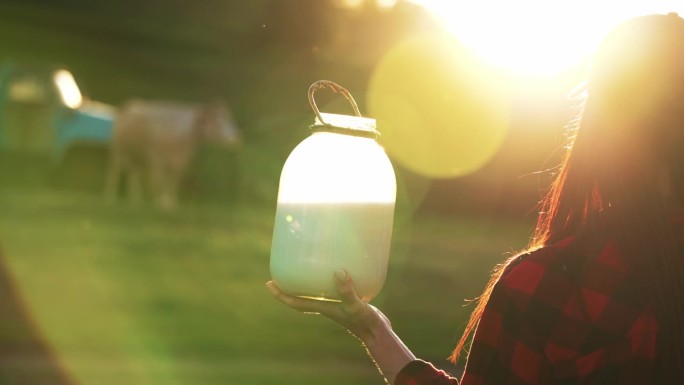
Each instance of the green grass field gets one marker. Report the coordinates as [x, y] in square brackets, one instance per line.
[131, 295]
[128, 295]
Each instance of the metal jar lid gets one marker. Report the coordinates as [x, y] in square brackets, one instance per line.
[342, 124]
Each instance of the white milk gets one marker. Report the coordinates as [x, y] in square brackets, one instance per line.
[313, 240]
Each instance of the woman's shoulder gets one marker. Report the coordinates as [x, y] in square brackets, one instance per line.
[585, 287]
[563, 267]
[558, 273]
[537, 261]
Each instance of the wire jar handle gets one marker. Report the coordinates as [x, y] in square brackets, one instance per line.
[335, 88]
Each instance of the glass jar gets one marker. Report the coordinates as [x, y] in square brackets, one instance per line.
[335, 208]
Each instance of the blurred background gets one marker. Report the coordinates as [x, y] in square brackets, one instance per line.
[473, 103]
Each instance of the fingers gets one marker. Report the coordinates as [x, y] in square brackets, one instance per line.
[351, 306]
[282, 297]
[344, 286]
[351, 303]
[352, 313]
[297, 303]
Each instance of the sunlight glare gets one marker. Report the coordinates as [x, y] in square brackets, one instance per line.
[535, 36]
[318, 169]
[352, 3]
[386, 4]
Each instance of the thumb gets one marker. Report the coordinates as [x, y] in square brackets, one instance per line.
[347, 291]
[344, 286]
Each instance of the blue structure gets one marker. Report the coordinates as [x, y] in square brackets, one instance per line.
[42, 111]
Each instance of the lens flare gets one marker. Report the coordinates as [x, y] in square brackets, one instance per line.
[441, 113]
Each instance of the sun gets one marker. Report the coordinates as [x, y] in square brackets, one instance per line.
[537, 37]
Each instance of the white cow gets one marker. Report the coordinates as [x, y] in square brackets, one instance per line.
[156, 140]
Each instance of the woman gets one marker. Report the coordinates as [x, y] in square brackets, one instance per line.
[598, 297]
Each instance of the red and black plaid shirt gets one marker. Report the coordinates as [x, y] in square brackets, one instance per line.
[555, 317]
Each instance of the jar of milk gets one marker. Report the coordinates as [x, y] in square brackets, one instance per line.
[335, 207]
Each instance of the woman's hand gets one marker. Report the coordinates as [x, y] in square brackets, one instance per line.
[362, 319]
[359, 317]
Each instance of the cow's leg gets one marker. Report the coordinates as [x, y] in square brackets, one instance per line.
[157, 178]
[167, 199]
[170, 197]
[113, 177]
[174, 172]
[135, 184]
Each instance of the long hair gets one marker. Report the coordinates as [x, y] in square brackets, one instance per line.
[626, 154]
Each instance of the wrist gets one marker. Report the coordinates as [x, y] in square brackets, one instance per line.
[388, 351]
[378, 331]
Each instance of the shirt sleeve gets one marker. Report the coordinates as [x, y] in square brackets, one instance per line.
[419, 372]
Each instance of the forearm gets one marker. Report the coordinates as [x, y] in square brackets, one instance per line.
[388, 351]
